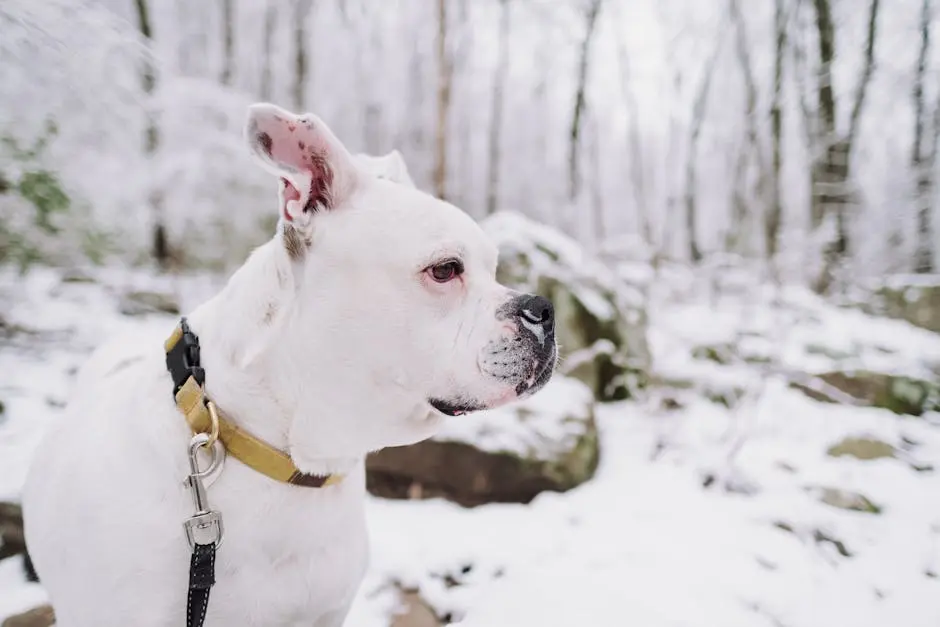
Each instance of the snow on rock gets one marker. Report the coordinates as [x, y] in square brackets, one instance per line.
[914, 298]
[509, 454]
[600, 317]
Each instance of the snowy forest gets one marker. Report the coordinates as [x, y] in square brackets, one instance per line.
[732, 204]
[798, 131]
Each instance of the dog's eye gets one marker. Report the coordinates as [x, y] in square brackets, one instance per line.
[446, 271]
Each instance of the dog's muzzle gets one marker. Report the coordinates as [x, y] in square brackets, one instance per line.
[523, 362]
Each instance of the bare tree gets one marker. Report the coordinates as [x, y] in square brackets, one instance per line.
[924, 258]
[160, 245]
[742, 201]
[574, 174]
[228, 41]
[496, 110]
[302, 10]
[270, 23]
[597, 196]
[691, 166]
[831, 171]
[445, 77]
[634, 142]
[797, 47]
[923, 156]
[775, 211]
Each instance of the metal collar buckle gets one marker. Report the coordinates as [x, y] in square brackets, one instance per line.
[205, 526]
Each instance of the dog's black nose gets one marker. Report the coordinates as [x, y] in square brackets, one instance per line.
[537, 310]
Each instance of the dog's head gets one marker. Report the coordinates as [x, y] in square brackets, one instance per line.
[396, 310]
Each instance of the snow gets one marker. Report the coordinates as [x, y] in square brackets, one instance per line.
[16, 595]
[646, 542]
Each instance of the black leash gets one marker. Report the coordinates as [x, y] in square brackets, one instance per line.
[204, 528]
[201, 578]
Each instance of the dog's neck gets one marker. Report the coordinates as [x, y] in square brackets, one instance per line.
[248, 375]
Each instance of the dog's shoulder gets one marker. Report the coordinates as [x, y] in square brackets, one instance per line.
[120, 354]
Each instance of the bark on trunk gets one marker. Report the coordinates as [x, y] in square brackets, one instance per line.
[775, 211]
[831, 175]
[444, 82]
[691, 167]
[923, 155]
[228, 41]
[745, 203]
[496, 114]
[635, 146]
[574, 173]
[159, 245]
[302, 10]
[270, 23]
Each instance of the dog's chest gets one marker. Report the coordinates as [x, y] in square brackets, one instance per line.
[288, 561]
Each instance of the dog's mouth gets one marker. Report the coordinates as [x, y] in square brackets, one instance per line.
[541, 374]
[451, 408]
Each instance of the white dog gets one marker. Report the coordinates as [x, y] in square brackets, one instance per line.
[372, 313]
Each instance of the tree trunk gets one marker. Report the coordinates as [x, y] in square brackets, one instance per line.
[597, 195]
[496, 116]
[826, 114]
[925, 252]
[775, 211]
[228, 41]
[744, 202]
[832, 196]
[574, 174]
[922, 161]
[635, 146]
[691, 167]
[302, 10]
[270, 24]
[797, 48]
[160, 245]
[444, 83]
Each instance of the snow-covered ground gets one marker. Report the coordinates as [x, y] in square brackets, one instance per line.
[699, 515]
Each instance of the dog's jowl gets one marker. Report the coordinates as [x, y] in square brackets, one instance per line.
[371, 315]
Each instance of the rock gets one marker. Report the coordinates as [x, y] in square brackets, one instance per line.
[912, 298]
[720, 354]
[12, 540]
[900, 394]
[600, 318]
[75, 275]
[415, 612]
[42, 616]
[508, 455]
[846, 499]
[140, 303]
[816, 535]
[862, 448]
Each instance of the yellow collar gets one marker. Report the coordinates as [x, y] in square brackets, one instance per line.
[201, 415]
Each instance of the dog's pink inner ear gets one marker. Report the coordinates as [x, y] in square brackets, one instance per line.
[289, 193]
[295, 148]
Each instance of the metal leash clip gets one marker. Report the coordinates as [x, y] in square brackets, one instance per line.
[205, 526]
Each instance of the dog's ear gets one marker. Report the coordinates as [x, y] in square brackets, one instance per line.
[315, 169]
[390, 166]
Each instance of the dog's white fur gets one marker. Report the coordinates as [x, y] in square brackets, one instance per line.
[327, 343]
